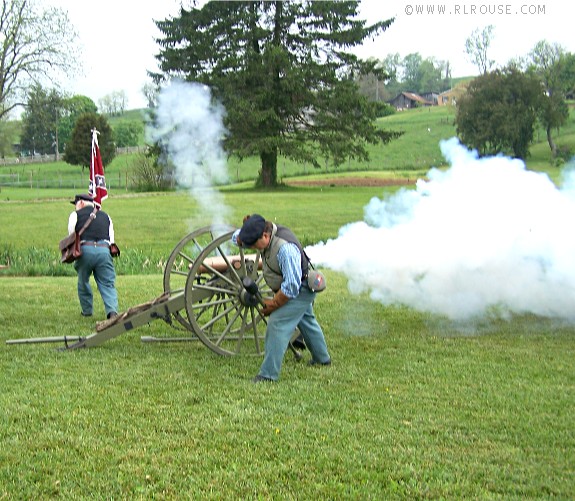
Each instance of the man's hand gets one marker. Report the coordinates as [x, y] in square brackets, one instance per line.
[271, 305]
[268, 307]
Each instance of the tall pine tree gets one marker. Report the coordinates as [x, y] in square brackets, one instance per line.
[284, 73]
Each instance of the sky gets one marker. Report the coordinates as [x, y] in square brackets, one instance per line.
[117, 36]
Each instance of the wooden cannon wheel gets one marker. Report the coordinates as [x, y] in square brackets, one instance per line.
[215, 306]
[182, 258]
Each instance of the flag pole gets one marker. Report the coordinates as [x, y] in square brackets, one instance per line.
[97, 187]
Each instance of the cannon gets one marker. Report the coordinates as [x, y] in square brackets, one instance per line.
[211, 288]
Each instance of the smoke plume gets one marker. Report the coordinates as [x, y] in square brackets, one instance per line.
[189, 125]
[484, 237]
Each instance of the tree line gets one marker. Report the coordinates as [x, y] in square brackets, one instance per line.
[500, 108]
[50, 122]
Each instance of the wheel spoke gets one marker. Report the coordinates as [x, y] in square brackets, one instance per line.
[227, 330]
[214, 301]
[255, 329]
[181, 260]
[217, 317]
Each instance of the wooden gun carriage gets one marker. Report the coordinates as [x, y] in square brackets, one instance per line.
[204, 291]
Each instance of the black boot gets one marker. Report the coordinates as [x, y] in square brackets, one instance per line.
[298, 343]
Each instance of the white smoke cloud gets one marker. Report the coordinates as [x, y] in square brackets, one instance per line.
[486, 236]
[190, 125]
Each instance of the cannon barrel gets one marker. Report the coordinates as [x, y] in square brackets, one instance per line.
[220, 264]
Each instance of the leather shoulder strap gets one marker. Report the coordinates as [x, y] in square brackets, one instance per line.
[87, 223]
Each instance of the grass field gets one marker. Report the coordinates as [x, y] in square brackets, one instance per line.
[413, 406]
[410, 408]
[138, 218]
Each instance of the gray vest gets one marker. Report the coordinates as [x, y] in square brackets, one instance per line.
[271, 268]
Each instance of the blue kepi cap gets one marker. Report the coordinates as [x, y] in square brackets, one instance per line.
[252, 229]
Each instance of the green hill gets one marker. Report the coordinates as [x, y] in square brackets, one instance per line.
[412, 155]
[424, 127]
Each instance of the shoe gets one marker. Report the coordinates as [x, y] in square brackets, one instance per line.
[112, 314]
[86, 314]
[298, 343]
[315, 362]
[261, 379]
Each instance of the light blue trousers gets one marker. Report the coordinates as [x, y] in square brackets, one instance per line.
[96, 261]
[297, 312]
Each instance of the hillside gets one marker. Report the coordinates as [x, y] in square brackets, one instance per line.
[408, 157]
[425, 127]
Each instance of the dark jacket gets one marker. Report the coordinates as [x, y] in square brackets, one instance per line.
[99, 228]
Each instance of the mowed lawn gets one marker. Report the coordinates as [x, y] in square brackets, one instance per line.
[413, 406]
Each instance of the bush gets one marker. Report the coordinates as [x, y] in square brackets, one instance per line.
[149, 175]
[383, 109]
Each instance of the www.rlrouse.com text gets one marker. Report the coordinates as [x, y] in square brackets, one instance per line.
[475, 9]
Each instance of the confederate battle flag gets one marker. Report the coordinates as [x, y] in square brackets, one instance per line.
[97, 188]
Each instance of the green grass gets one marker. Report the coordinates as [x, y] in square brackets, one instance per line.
[418, 148]
[410, 409]
[58, 175]
[423, 128]
[148, 226]
[413, 406]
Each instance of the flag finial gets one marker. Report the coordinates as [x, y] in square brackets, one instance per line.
[95, 133]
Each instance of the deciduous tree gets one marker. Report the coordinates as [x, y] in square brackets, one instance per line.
[128, 133]
[424, 75]
[73, 107]
[114, 103]
[284, 73]
[498, 112]
[391, 65]
[9, 133]
[477, 47]
[36, 45]
[150, 92]
[548, 62]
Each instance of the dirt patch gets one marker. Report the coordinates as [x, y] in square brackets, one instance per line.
[351, 181]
